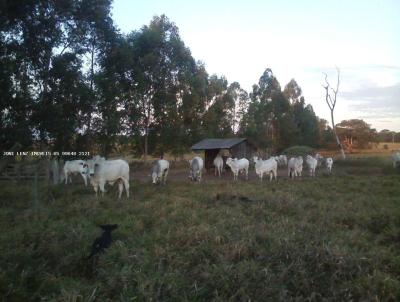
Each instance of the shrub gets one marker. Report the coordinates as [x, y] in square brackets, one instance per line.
[298, 151]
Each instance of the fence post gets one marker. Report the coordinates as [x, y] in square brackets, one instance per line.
[55, 171]
[35, 188]
[61, 170]
[4, 161]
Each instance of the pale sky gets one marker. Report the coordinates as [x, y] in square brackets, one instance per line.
[296, 39]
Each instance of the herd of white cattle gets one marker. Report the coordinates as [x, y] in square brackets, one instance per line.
[98, 171]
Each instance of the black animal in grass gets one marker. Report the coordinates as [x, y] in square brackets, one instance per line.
[104, 241]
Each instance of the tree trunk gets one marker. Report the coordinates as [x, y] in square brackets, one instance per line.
[55, 171]
[146, 135]
[337, 137]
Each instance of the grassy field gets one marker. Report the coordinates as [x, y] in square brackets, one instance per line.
[334, 238]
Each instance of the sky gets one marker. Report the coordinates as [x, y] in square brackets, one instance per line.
[296, 39]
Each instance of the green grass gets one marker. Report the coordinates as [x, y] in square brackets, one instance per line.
[335, 237]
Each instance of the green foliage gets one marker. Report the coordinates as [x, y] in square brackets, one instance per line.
[276, 119]
[298, 151]
[43, 45]
[333, 238]
[71, 80]
[386, 136]
[359, 130]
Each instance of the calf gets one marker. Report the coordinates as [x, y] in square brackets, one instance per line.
[159, 171]
[238, 165]
[196, 168]
[219, 165]
[329, 164]
[312, 164]
[269, 166]
[295, 166]
[104, 241]
[72, 167]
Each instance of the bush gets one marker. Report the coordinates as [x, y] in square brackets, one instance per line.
[298, 151]
[385, 146]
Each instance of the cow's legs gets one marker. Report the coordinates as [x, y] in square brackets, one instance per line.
[101, 185]
[120, 188]
[165, 176]
[84, 179]
[126, 184]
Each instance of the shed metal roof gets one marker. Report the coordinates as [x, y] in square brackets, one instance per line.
[217, 143]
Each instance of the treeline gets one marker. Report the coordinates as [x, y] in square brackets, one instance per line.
[71, 81]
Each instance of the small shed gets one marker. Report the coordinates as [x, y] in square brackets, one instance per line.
[235, 147]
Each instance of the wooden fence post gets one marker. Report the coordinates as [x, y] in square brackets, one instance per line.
[54, 172]
[35, 188]
[7, 159]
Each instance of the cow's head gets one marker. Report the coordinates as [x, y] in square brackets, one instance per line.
[154, 177]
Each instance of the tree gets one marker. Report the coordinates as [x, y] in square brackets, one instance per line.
[386, 135]
[358, 131]
[217, 120]
[330, 98]
[292, 91]
[325, 134]
[167, 90]
[240, 105]
[259, 121]
[43, 47]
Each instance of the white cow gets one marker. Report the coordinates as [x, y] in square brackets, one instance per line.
[295, 166]
[329, 164]
[238, 165]
[196, 168]
[159, 171]
[91, 163]
[110, 171]
[218, 164]
[269, 166]
[281, 160]
[319, 158]
[396, 159]
[312, 164]
[74, 167]
[98, 158]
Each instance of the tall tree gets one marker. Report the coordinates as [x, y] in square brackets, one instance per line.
[331, 98]
[292, 91]
[36, 39]
[258, 122]
[167, 91]
[240, 104]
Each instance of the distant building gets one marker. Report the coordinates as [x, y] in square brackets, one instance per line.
[234, 147]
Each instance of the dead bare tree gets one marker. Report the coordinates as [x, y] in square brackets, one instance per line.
[330, 98]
